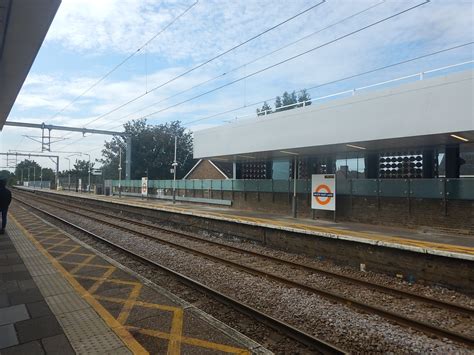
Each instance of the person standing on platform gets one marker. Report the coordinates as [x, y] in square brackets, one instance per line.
[5, 199]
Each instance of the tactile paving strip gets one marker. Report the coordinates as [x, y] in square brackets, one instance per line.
[146, 320]
[59, 294]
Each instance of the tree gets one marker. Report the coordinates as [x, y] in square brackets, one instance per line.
[288, 100]
[304, 96]
[152, 151]
[278, 103]
[27, 170]
[81, 168]
[265, 110]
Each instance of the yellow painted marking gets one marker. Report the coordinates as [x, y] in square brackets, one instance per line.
[176, 332]
[115, 281]
[122, 333]
[175, 337]
[91, 264]
[85, 262]
[193, 341]
[128, 304]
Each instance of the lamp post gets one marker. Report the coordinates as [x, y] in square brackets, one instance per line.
[68, 174]
[120, 172]
[89, 180]
[175, 165]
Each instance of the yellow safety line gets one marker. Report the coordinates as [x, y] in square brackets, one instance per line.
[193, 341]
[122, 333]
[128, 304]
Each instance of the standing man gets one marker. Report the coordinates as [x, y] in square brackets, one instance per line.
[5, 199]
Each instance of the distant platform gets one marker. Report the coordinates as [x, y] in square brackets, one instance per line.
[422, 240]
[57, 295]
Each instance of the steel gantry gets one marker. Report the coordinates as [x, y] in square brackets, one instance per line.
[46, 138]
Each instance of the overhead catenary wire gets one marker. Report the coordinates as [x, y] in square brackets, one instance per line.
[206, 62]
[337, 80]
[252, 61]
[285, 60]
[126, 59]
[326, 83]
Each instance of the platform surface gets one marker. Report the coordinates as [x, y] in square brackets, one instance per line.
[423, 240]
[92, 305]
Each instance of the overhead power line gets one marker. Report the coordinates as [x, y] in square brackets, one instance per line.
[253, 60]
[336, 81]
[206, 62]
[125, 60]
[286, 60]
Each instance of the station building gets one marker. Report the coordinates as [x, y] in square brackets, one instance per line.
[402, 155]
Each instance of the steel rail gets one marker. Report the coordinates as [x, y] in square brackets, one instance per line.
[386, 289]
[400, 319]
[268, 320]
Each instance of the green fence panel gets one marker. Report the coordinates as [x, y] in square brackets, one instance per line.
[394, 187]
[364, 187]
[251, 185]
[265, 185]
[206, 184]
[343, 186]
[281, 185]
[427, 188]
[460, 189]
[216, 184]
[302, 186]
[227, 185]
[239, 185]
[181, 184]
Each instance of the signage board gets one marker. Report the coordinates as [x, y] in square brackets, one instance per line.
[144, 186]
[323, 192]
[96, 172]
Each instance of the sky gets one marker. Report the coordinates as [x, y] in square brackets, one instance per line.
[88, 38]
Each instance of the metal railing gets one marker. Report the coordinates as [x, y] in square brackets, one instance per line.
[353, 91]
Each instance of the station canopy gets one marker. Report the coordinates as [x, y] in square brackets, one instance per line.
[426, 113]
[23, 27]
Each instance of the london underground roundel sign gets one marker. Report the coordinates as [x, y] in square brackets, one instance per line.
[323, 190]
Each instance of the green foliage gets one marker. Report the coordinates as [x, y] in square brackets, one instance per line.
[26, 165]
[265, 110]
[289, 101]
[152, 151]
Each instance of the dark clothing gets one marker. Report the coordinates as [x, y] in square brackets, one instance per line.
[4, 218]
[5, 199]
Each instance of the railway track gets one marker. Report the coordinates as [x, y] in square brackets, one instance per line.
[398, 318]
[276, 324]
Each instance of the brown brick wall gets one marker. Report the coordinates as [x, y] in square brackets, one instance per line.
[205, 170]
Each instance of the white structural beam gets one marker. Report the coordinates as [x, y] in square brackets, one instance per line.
[423, 113]
[25, 24]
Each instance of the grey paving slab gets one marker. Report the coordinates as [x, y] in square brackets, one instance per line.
[13, 314]
[57, 345]
[98, 344]
[26, 296]
[15, 275]
[52, 284]
[31, 348]
[26, 284]
[4, 301]
[38, 309]
[7, 336]
[66, 302]
[83, 324]
[9, 286]
[44, 269]
[37, 328]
